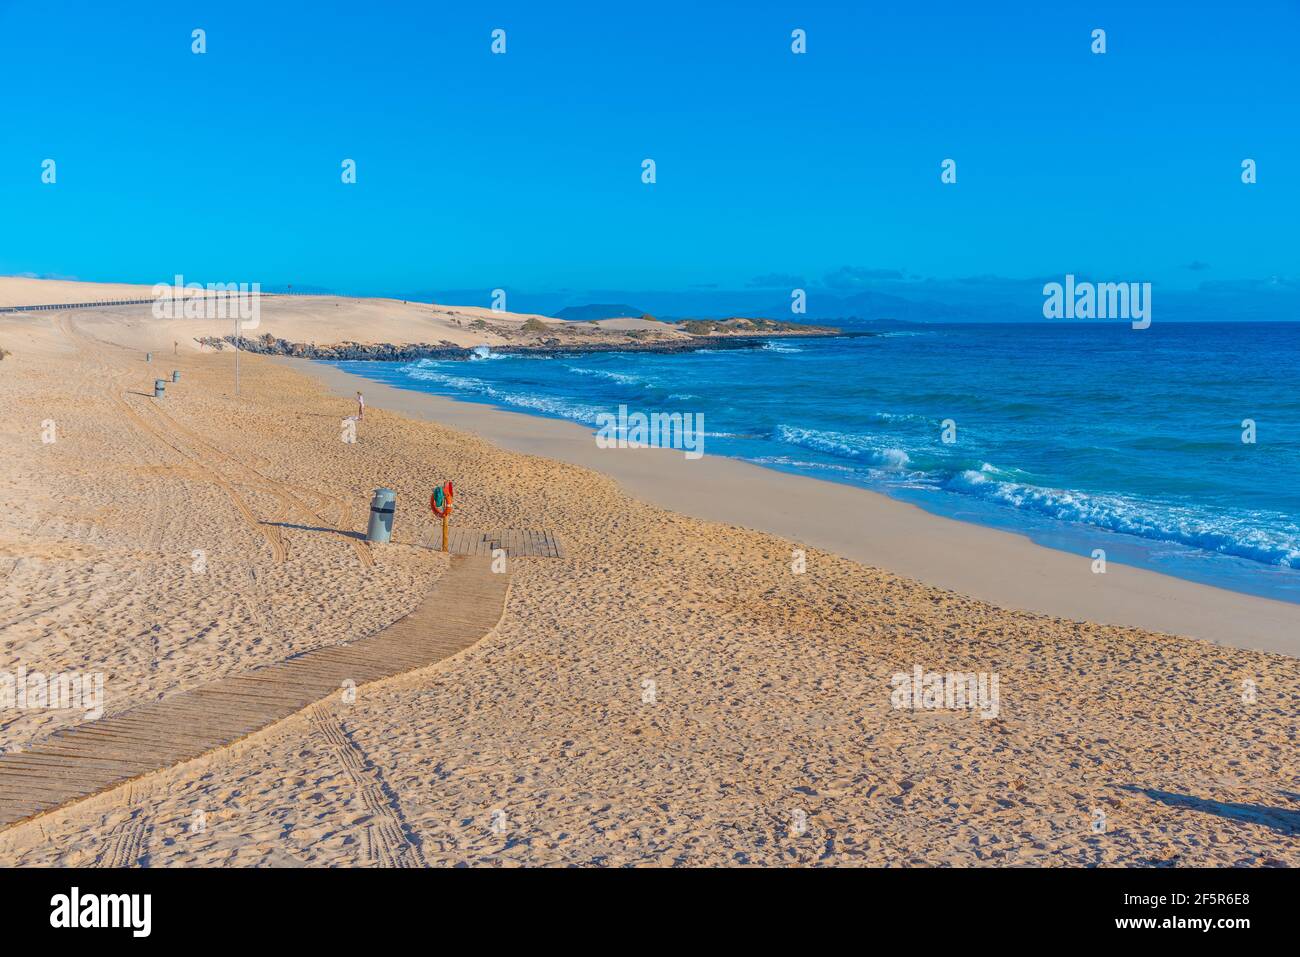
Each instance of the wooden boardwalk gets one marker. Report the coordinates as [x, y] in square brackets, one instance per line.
[463, 606]
[515, 542]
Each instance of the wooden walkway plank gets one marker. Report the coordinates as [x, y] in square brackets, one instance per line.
[462, 606]
[516, 542]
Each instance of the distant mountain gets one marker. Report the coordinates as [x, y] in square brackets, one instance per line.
[871, 306]
[886, 323]
[971, 299]
[597, 311]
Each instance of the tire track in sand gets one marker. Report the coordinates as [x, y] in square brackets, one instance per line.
[207, 471]
[127, 844]
[284, 491]
[388, 840]
[32, 532]
[204, 468]
[462, 605]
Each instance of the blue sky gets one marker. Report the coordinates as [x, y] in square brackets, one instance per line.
[523, 170]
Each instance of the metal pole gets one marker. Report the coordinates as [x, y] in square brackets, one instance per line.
[236, 352]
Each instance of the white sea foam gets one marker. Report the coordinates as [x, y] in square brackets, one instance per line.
[879, 459]
[1241, 535]
[551, 406]
[899, 417]
[623, 378]
[787, 461]
[845, 445]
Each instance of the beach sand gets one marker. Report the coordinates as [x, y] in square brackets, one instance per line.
[668, 692]
[1000, 567]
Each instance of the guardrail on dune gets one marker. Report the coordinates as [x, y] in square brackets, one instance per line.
[50, 307]
[54, 307]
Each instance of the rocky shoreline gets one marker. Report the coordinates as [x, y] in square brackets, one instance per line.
[388, 352]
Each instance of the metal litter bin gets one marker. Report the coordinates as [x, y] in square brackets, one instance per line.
[382, 508]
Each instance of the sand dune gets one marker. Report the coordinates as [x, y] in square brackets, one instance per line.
[31, 291]
[311, 319]
[667, 693]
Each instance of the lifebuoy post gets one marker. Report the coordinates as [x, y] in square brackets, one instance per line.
[440, 504]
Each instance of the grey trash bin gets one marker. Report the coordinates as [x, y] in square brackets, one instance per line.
[382, 508]
[159, 388]
[176, 375]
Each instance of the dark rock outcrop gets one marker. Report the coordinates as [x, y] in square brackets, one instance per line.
[387, 352]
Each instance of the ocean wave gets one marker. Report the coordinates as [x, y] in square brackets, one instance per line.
[780, 347]
[623, 378]
[1237, 535]
[521, 400]
[900, 417]
[844, 445]
[429, 374]
[788, 462]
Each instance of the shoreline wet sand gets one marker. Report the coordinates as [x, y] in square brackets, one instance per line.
[997, 566]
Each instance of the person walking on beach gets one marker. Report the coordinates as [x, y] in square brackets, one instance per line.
[361, 406]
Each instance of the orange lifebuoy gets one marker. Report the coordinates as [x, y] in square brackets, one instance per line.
[443, 495]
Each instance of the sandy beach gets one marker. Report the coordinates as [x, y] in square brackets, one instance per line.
[999, 567]
[669, 692]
